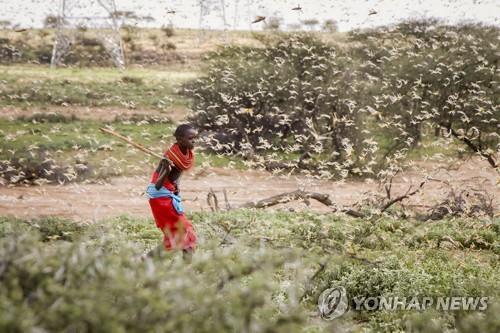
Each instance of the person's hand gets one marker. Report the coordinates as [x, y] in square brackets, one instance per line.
[163, 163]
[168, 162]
[164, 166]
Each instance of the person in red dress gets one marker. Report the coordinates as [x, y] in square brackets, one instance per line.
[163, 192]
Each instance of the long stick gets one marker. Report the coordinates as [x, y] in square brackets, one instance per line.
[130, 142]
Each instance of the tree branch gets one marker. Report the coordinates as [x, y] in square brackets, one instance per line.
[471, 145]
[297, 195]
[402, 197]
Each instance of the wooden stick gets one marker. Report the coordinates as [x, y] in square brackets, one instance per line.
[402, 197]
[296, 195]
[211, 197]
[130, 142]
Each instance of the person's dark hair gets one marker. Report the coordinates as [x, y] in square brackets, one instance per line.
[182, 129]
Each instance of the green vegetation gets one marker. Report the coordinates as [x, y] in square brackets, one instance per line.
[45, 147]
[428, 74]
[357, 105]
[27, 86]
[357, 109]
[48, 147]
[285, 98]
[54, 149]
[77, 134]
[253, 270]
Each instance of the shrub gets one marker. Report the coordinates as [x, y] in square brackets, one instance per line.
[85, 41]
[99, 284]
[427, 74]
[133, 80]
[294, 98]
[253, 270]
[39, 169]
[50, 117]
[168, 31]
[169, 46]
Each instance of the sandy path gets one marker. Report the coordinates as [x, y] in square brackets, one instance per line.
[124, 195]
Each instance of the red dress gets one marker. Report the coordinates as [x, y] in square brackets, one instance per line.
[178, 232]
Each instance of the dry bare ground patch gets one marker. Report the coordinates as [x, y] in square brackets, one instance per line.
[124, 195]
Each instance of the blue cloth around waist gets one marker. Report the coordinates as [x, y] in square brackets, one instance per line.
[163, 192]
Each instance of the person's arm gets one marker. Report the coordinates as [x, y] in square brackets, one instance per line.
[177, 188]
[163, 170]
[174, 177]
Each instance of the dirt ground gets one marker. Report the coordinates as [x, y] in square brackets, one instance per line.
[125, 195]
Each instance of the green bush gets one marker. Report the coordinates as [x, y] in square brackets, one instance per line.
[295, 97]
[39, 168]
[47, 229]
[253, 270]
[429, 75]
[131, 79]
[353, 109]
[50, 117]
[100, 284]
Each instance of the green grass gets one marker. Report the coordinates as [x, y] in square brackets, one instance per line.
[252, 270]
[77, 135]
[27, 85]
[83, 142]
[71, 142]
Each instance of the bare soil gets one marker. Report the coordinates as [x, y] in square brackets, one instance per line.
[125, 195]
